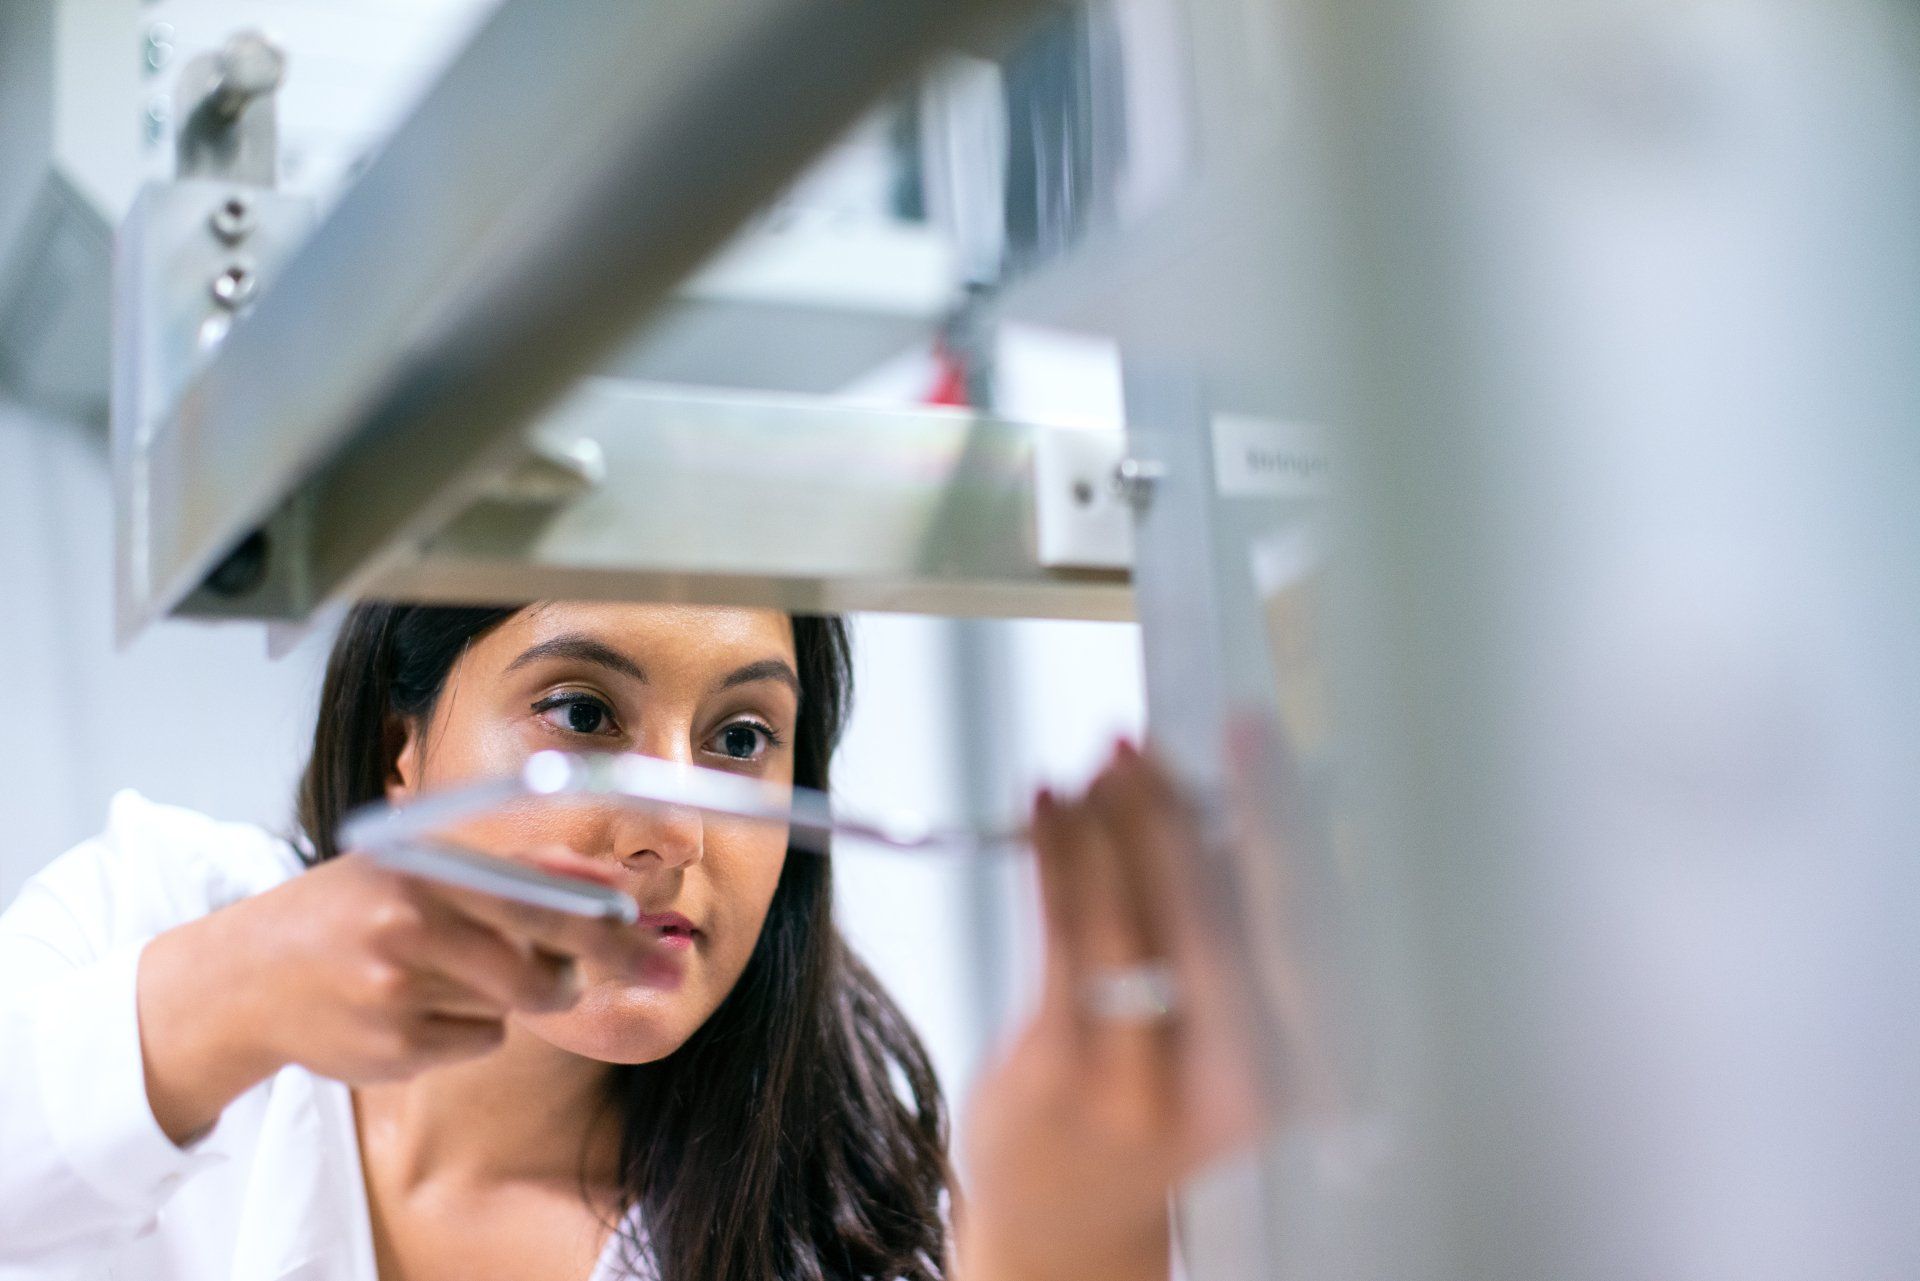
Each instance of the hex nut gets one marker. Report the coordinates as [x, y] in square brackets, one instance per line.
[234, 288]
[232, 220]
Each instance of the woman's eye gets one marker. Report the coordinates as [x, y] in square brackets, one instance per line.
[742, 740]
[576, 713]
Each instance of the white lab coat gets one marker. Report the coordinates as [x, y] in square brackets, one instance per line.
[90, 1187]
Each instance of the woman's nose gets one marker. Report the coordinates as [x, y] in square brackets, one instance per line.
[670, 836]
[655, 835]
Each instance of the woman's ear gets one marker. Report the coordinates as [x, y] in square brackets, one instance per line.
[400, 745]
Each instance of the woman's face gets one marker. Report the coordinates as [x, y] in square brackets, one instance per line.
[707, 686]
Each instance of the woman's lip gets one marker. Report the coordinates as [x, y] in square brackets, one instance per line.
[673, 927]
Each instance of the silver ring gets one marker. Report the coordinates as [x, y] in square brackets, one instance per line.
[1143, 993]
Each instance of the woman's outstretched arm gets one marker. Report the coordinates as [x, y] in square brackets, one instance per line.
[353, 972]
[149, 977]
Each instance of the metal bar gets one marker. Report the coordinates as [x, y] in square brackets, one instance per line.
[627, 777]
[574, 164]
[982, 682]
[786, 503]
[503, 878]
[1207, 667]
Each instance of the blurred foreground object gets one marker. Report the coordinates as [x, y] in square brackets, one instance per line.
[1601, 686]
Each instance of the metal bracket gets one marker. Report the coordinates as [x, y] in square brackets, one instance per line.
[628, 491]
[1081, 518]
[189, 263]
[554, 472]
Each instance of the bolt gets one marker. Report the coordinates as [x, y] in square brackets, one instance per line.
[251, 66]
[232, 220]
[1134, 479]
[1083, 493]
[234, 288]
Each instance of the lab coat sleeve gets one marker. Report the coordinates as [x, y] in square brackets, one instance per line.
[82, 1160]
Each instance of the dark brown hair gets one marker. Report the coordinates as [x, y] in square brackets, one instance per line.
[799, 1134]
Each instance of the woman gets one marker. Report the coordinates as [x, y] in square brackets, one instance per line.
[221, 1055]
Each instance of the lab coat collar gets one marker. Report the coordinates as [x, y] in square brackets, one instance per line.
[306, 1219]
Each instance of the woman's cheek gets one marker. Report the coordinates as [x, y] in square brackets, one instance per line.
[726, 970]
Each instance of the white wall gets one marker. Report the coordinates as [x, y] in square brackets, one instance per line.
[956, 936]
[190, 714]
[958, 942]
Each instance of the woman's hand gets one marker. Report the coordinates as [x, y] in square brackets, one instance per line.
[356, 973]
[1078, 1133]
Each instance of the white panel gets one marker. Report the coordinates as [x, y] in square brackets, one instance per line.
[192, 715]
[902, 912]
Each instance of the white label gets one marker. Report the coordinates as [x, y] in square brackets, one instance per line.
[1262, 458]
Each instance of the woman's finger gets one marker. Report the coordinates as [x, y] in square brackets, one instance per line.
[562, 861]
[1127, 1053]
[1060, 904]
[1133, 819]
[608, 944]
[1101, 926]
[1162, 854]
[478, 958]
[443, 997]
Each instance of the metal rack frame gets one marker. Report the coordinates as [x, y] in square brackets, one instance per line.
[401, 410]
[542, 202]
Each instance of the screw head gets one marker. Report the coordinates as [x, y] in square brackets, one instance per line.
[234, 288]
[1134, 480]
[232, 220]
[157, 48]
[155, 119]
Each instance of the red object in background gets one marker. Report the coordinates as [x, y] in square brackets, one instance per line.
[949, 378]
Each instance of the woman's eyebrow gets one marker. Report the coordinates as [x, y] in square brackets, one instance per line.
[767, 669]
[582, 649]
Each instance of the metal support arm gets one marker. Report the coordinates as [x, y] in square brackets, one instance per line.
[559, 181]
